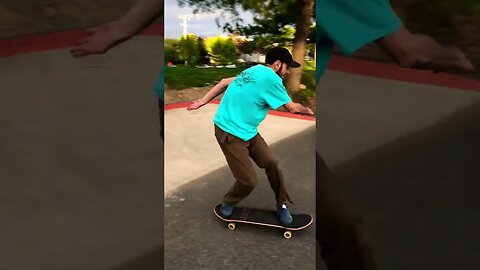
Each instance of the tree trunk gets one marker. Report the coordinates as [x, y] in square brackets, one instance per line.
[300, 44]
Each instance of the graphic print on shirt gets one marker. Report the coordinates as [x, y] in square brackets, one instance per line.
[245, 77]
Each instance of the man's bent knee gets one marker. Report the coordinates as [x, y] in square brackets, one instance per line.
[270, 164]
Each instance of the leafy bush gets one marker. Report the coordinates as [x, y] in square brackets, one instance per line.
[222, 50]
[188, 49]
[171, 55]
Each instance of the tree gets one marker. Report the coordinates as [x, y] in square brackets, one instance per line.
[247, 47]
[203, 53]
[171, 50]
[188, 49]
[264, 41]
[171, 55]
[171, 42]
[272, 17]
[222, 50]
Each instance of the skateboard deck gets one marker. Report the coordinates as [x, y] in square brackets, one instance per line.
[264, 217]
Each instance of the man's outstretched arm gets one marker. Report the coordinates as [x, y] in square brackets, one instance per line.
[214, 92]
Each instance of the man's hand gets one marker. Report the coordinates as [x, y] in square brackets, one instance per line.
[424, 52]
[196, 104]
[214, 92]
[100, 39]
[308, 111]
[298, 108]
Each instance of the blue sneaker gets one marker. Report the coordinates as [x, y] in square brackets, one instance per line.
[284, 215]
[226, 209]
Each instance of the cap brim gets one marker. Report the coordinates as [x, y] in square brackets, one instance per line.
[294, 64]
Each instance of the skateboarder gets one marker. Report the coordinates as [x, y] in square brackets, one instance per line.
[243, 107]
[350, 25]
[104, 37]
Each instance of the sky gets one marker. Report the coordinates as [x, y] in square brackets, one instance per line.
[204, 26]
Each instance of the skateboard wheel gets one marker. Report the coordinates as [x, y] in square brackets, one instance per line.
[287, 234]
[231, 226]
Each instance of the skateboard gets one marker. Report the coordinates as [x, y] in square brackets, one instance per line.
[263, 217]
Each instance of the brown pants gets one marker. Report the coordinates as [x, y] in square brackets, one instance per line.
[238, 153]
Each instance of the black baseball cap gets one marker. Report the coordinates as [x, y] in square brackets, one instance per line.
[282, 54]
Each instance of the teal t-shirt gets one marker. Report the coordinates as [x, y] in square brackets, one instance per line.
[246, 101]
[159, 84]
[350, 25]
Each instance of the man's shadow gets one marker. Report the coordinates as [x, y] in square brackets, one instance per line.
[425, 183]
[152, 260]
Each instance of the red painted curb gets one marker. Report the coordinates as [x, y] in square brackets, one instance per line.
[56, 40]
[394, 72]
[181, 105]
[291, 115]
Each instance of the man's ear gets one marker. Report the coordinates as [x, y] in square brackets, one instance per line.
[277, 64]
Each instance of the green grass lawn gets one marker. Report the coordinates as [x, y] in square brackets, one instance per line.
[182, 77]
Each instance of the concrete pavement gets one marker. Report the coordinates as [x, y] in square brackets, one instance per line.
[197, 177]
[408, 156]
[80, 159]
[196, 239]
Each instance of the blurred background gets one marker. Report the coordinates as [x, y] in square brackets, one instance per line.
[450, 21]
